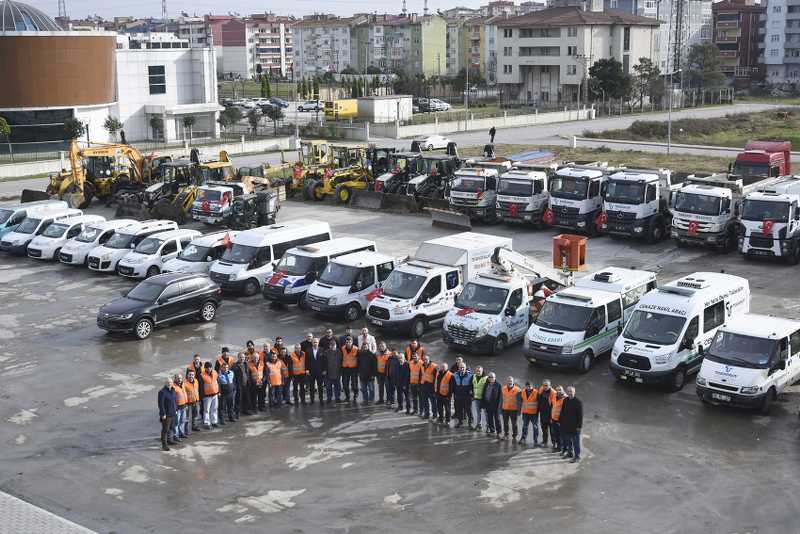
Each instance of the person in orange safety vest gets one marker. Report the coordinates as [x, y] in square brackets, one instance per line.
[510, 403]
[210, 388]
[349, 369]
[274, 374]
[530, 412]
[299, 374]
[443, 385]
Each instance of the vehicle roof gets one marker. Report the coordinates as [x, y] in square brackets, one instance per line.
[475, 171]
[220, 188]
[679, 295]
[52, 211]
[180, 232]
[618, 280]
[169, 278]
[469, 241]
[82, 219]
[332, 246]
[114, 223]
[773, 197]
[209, 240]
[38, 204]
[583, 296]
[703, 189]
[764, 326]
[148, 225]
[274, 233]
[635, 175]
[519, 174]
[784, 185]
[579, 173]
[362, 258]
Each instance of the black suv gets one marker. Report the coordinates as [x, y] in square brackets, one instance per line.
[159, 300]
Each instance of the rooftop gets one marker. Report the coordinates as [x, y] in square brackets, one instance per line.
[572, 16]
[19, 17]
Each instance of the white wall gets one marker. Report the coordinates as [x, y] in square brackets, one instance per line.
[235, 60]
[94, 117]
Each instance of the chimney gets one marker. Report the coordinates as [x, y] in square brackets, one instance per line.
[425, 9]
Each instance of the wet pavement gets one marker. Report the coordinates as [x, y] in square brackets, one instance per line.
[80, 425]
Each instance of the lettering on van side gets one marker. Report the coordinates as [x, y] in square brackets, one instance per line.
[664, 309]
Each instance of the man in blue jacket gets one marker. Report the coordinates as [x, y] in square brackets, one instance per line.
[167, 409]
[461, 393]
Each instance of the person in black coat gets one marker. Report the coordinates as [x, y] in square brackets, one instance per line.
[315, 365]
[545, 403]
[367, 369]
[333, 371]
[325, 341]
[305, 345]
[391, 371]
[403, 385]
[491, 403]
[242, 377]
[571, 423]
[167, 409]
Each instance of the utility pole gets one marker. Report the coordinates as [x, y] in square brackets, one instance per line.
[466, 94]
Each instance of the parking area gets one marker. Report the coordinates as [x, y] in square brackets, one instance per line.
[80, 423]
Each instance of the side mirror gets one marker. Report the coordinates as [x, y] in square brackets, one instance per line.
[619, 329]
[133, 246]
[781, 366]
[310, 277]
[700, 349]
[161, 300]
[124, 293]
[209, 258]
[511, 311]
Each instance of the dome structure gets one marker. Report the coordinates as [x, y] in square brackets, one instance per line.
[19, 17]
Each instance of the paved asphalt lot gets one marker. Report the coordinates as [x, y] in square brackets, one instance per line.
[80, 426]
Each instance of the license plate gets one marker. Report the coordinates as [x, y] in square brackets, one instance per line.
[376, 322]
[315, 308]
[460, 341]
[721, 397]
[633, 374]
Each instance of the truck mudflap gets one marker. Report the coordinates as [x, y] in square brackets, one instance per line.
[369, 200]
[450, 219]
[31, 195]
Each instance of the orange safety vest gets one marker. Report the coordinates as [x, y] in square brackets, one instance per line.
[284, 368]
[256, 371]
[228, 360]
[510, 400]
[180, 395]
[416, 371]
[192, 394]
[382, 359]
[274, 372]
[444, 384]
[530, 402]
[420, 352]
[350, 359]
[428, 373]
[210, 384]
[555, 415]
[248, 354]
[191, 367]
[298, 363]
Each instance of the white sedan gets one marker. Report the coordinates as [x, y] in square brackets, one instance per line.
[432, 142]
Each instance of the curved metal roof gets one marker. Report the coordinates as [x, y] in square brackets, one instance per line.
[18, 17]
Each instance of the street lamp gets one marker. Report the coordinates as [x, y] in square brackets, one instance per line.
[669, 110]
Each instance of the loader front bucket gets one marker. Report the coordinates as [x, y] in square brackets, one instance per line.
[164, 209]
[31, 195]
[369, 200]
[449, 219]
[400, 202]
[130, 205]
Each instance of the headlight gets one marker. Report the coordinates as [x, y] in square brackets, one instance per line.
[663, 358]
[701, 381]
[126, 316]
[332, 301]
[484, 330]
[614, 354]
[105, 257]
[749, 390]
[567, 348]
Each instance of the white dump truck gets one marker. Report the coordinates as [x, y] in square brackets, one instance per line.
[637, 204]
[522, 196]
[421, 291]
[770, 221]
[473, 192]
[576, 198]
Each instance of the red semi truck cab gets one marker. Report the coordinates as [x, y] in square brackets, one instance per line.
[762, 159]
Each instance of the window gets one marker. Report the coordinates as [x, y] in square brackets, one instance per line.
[507, 50]
[74, 231]
[431, 290]
[691, 332]
[170, 292]
[626, 39]
[515, 300]
[572, 50]
[384, 271]
[632, 297]
[366, 277]
[651, 193]
[713, 316]
[540, 32]
[776, 9]
[775, 38]
[452, 279]
[169, 247]
[190, 286]
[794, 341]
[626, 64]
[572, 31]
[157, 79]
[614, 310]
[773, 52]
[508, 32]
[594, 189]
[597, 321]
[507, 69]
[572, 70]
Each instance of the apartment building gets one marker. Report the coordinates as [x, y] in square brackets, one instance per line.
[261, 42]
[457, 45]
[684, 23]
[736, 34]
[544, 57]
[417, 44]
[194, 29]
[781, 45]
[323, 43]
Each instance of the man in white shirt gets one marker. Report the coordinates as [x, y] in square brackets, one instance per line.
[367, 339]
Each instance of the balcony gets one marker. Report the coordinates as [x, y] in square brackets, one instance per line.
[722, 24]
[728, 53]
[727, 39]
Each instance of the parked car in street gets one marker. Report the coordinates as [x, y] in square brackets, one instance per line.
[310, 105]
[281, 103]
[432, 142]
[438, 105]
[159, 300]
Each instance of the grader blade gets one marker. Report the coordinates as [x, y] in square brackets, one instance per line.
[449, 219]
[370, 200]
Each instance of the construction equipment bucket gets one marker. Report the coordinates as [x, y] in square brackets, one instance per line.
[450, 219]
[400, 202]
[369, 200]
[31, 195]
[130, 205]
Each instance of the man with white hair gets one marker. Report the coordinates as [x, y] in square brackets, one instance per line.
[571, 423]
[492, 393]
[366, 338]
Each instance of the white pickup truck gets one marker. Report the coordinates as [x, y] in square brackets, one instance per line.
[422, 291]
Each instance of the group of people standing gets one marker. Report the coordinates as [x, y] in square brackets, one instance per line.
[335, 369]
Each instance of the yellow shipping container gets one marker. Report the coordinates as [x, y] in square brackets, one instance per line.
[341, 109]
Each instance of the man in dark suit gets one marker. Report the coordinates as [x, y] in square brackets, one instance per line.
[315, 364]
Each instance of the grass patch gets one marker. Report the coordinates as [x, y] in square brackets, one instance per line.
[730, 130]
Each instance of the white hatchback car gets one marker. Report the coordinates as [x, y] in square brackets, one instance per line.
[432, 142]
[76, 250]
[48, 244]
[149, 256]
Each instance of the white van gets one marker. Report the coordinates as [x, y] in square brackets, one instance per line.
[12, 215]
[47, 246]
[76, 250]
[247, 265]
[201, 253]
[300, 266]
[154, 251]
[578, 324]
[750, 362]
[348, 282]
[105, 258]
[34, 224]
[661, 342]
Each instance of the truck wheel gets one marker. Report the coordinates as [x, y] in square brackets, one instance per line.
[152, 271]
[586, 362]
[352, 312]
[417, 328]
[56, 254]
[312, 190]
[794, 258]
[499, 345]
[766, 406]
[678, 380]
[302, 304]
[251, 287]
[655, 232]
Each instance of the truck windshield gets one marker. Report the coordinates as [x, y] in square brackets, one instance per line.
[336, 274]
[209, 195]
[742, 351]
[658, 328]
[429, 164]
[469, 184]
[195, 253]
[750, 170]
[119, 240]
[55, 230]
[240, 254]
[402, 285]
[624, 192]
[762, 210]
[296, 264]
[515, 187]
[568, 187]
[563, 316]
[5, 215]
[484, 299]
[28, 226]
[697, 204]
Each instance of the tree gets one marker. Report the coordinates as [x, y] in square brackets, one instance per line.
[73, 128]
[234, 115]
[266, 88]
[353, 89]
[703, 66]
[316, 88]
[348, 70]
[253, 118]
[606, 77]
[375, 84]
[304, 89]
[647, 81]
[157, 124]
[274, 114]
[224, 120]
[188, 122]
[372, 69]
[5, 131]
[112, 126]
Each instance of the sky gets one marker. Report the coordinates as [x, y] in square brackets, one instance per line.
[108, 9]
